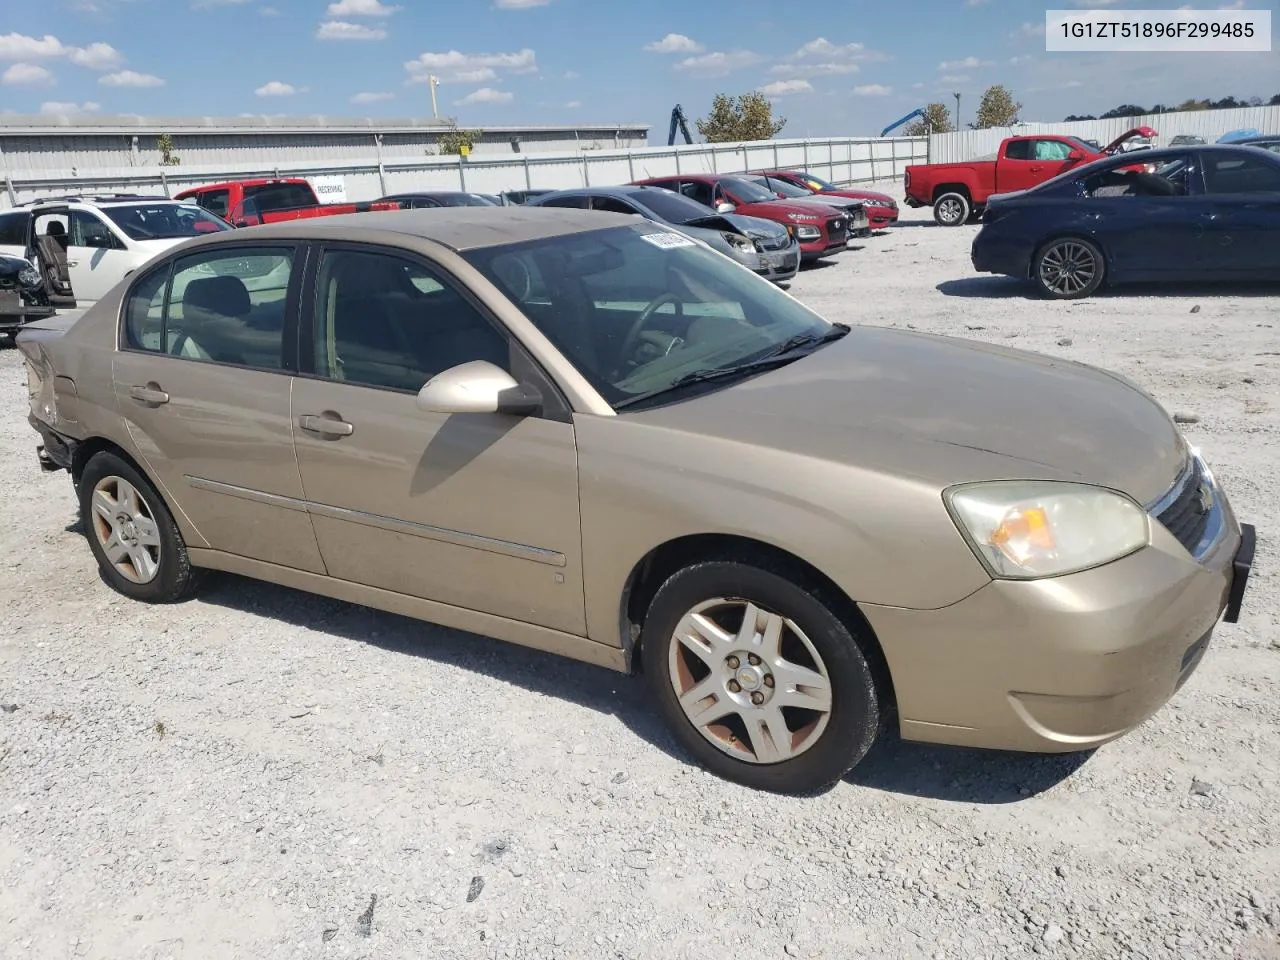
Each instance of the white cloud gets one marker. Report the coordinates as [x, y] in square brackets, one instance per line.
[675, 43]
[968, 63]
[572, 75]
[821, 58]
[718, 64]
[342, 30]
[783, 88]
[1238, 5]
[130, 78]
[954, 78]
[277, 88]
[26, 75]
[872, 90]
[573, 104]
[454, 66]
[1023, 58]
[96, 56]
[519, 4]
[360, 8]
[268, 12]
[56, 108]
[208, 4]
[372, 97]
[1028, 30]
[975, 3]
[1096, 3]
[486, 95]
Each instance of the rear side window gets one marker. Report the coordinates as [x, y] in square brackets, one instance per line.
[216, 202]
[1018, 150]
[1234, 174]
[13, 229]
[226, 306]
[576, 202]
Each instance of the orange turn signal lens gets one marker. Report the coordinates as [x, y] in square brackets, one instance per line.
[1023, 533]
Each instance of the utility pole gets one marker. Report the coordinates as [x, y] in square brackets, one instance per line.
[957, 96]
[432, 81]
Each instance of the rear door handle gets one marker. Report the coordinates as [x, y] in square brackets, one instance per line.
[151, 394]
[325, 426]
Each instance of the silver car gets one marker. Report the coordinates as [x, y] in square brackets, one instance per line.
[768, 248]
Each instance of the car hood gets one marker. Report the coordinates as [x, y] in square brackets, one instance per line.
[1128, 135]
[943, 410]
[870, 197]
[838, 203]
[774, 209]
[755, 227]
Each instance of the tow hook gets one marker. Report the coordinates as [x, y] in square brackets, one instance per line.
[46, 461]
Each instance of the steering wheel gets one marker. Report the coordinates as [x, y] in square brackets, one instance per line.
[637, 326]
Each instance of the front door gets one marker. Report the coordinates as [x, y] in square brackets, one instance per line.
[96, 257]
[203, 384]
[478, 511]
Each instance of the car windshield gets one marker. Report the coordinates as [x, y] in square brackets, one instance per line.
[462, 200]
[747, 191]
[164, 221]
[669, 206]
[817, 182]
[639, 310]
[1082, 145]
[781, 186]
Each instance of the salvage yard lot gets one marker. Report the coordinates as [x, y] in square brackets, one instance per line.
[239, 775]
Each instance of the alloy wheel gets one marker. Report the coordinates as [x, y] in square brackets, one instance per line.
[1067, 268]
[951, 210]
[126, 529]
[749, 680]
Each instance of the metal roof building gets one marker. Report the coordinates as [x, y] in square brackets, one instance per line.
[30, 144]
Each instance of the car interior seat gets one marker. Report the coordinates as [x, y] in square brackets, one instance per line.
[214, 310]
[51, 249]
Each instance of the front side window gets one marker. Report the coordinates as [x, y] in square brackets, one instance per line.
[1051, 150]
[635, 308]
[163, 221]
[385, 321]
[572, 201]
[613, 205]
[88, 230]
[223, 306]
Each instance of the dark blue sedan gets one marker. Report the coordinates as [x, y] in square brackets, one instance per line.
[1193, 213]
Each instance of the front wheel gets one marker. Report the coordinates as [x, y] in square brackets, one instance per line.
[139, 549]
[1068, 268]
[952, 209]
[758, 679]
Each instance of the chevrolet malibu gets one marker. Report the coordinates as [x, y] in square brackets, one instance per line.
[586, 433]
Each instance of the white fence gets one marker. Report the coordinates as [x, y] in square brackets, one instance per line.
[1207, 124]
[843, 161]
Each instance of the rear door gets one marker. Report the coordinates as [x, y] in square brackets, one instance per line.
[202, 379]
[1242, 200]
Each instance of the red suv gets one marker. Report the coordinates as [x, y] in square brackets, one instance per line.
[882, 209]
[819, 233]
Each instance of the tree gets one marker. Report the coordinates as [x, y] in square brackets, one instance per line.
[748, 117]
[1079, 116]
[936, 119]
[164, 143]
[997, 109]
[453, 140]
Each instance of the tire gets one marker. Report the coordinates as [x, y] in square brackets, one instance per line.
[139, 550]
[817, 746]
[1068, 268]
[952, 209]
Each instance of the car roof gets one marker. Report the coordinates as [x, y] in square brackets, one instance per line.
[459, 228]
[618, 190]
[101, 200]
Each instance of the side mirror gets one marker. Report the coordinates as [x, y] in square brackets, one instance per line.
[723, 207]
[477, 387]
[1075, 155]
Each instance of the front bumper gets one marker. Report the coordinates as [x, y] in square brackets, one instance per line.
[881, 217]
[1067, 663]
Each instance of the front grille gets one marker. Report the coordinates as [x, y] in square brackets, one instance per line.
[837, 234]
[775, 243]
[1187, 514]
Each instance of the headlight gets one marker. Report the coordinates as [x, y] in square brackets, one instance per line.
[803, 217]
[1027, 529]
[805, 234]
[29, 277]
[737, 241]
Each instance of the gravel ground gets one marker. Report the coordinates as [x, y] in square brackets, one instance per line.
[242, 775]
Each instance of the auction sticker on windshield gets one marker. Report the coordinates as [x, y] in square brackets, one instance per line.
[668, 240]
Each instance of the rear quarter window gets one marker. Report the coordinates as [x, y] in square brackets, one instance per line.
[13, 229]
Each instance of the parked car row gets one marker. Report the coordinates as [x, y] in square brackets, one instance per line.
[81, 246]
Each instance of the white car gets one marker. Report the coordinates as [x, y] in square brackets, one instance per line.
[84, 246]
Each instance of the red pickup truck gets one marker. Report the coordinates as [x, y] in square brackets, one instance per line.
[958, 191]
[244, 203]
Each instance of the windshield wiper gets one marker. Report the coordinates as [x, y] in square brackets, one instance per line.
[778, 356]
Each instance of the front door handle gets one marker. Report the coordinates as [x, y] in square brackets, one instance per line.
[325, 426]
[73, 263]
[151, 394]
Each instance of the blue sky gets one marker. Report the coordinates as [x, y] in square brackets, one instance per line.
[835, 67]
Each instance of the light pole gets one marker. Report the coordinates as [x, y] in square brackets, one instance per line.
[957, 96]
[435, 109]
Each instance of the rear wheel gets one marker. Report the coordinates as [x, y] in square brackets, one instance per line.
[758, 679]
[952, 209]
[1068, 268]
[139, 550]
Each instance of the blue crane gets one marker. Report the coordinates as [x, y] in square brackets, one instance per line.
[918, 112]
[678, 120]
